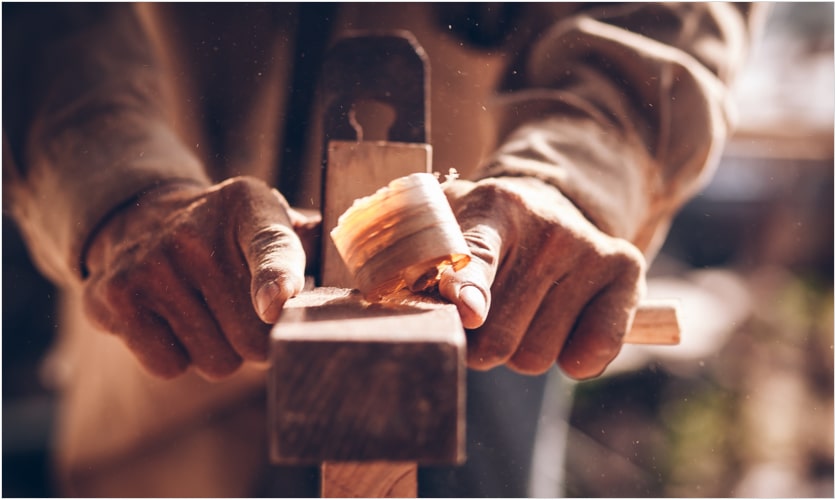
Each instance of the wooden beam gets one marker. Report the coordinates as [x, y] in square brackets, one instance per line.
[351, 381]
[355, 381]
[368, 480]
[657, 322]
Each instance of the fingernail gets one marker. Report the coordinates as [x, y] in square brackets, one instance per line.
[265, 298]
[474, 300]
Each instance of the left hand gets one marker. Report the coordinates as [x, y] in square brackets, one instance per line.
[558, 289]
[191, 275]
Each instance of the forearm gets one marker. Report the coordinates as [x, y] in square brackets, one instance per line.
[90, 130]
[625, 109]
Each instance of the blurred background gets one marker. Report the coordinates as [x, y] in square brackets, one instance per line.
[743, 408]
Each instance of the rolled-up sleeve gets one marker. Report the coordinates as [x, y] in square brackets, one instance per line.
[87, 126]
[625, 108]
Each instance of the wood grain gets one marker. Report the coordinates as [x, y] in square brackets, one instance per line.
[354, 380]
[357, 381]
[657, 322]
[354, 383]
[369, 480]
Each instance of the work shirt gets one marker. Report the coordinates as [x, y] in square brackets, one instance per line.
[624, 108]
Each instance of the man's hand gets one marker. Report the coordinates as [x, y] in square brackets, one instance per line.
[189, 275]
[545, 284]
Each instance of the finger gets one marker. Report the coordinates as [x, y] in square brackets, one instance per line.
[222, 279]
[597, 337]
[229, 300]
[469, 290]
[196, 329]
[274, 254]
[191, 321]
[112, 302]
[277, 263]
[490, 343]
[151, 340]
[550, 327]
[495, 342]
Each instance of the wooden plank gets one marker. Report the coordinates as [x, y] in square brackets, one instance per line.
[656, 322]
[348, 381]
[355, 170]
[356, 381]
[369, 480]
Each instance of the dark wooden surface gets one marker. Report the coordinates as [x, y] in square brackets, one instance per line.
[355, 381]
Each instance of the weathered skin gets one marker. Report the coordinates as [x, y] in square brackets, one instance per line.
[194, 275]
[545, 284]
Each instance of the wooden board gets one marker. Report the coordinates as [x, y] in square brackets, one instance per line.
[349, 382]
[354, 381]
[657, 322]
[368, 480]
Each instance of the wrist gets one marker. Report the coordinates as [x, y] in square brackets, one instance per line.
[604, 175]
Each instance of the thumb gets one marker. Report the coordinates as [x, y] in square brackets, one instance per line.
[470, 291]
[470, 288]
[277, 265]
[274, 253]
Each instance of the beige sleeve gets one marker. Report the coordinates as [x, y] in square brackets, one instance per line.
[625, 108]
[86, 128]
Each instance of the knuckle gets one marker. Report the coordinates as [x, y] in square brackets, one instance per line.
[220, 368]
[191, 247]
[275, 237]
[530, 362]
[243, 188]
[489, 350]
[482, 200]
[626, 261]
[477, 361]
[253, 344]
[583, 366]
[237, 186]
[278, 249]
[628, 255]
[254, 354]
[581, 371]
[591, 351]
[168, 370]
[108, 299]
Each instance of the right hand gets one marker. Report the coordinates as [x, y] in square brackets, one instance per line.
[563, 291]
[193, 276]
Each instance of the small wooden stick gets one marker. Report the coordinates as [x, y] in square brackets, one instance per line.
[368, 479]
[656, 322]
